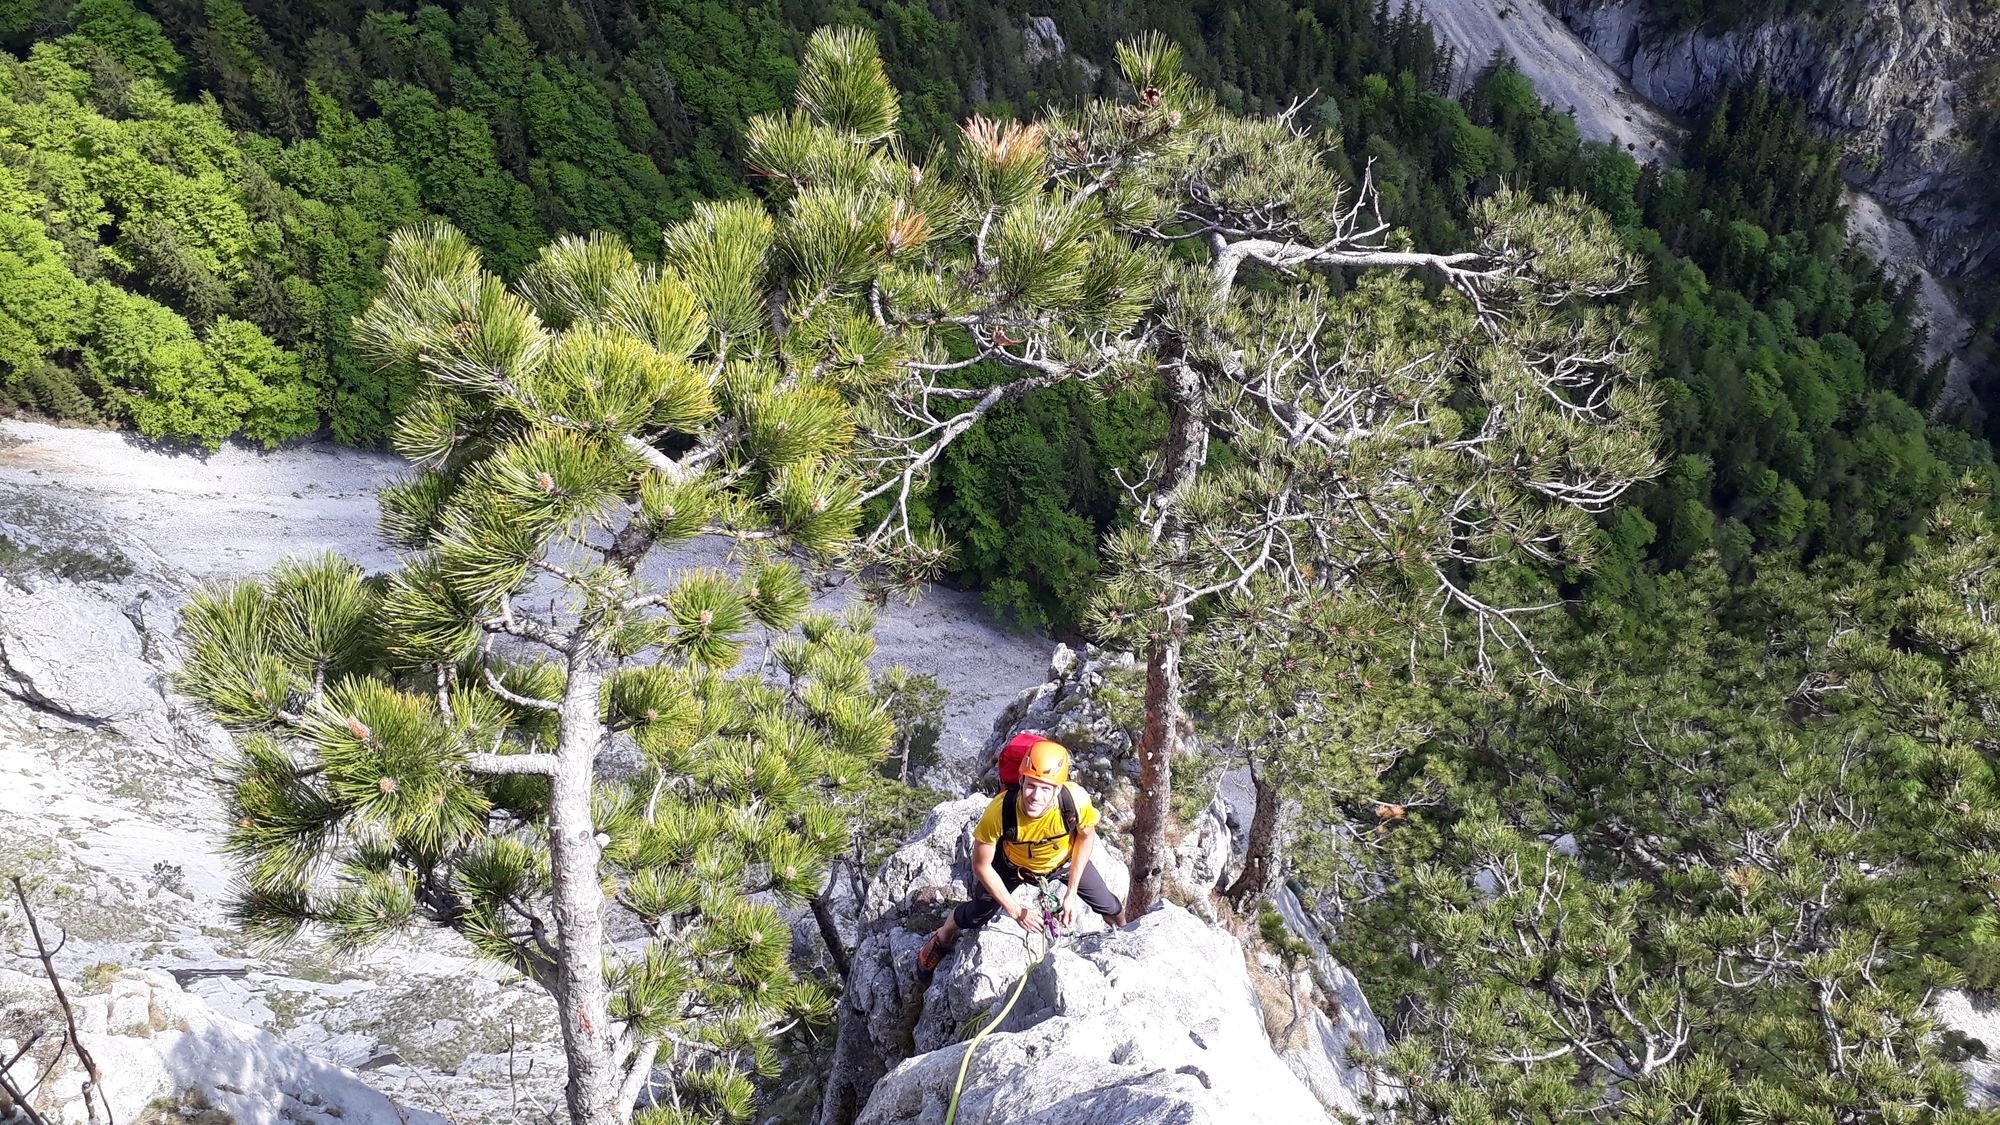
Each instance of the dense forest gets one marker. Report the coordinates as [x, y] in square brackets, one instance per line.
[197, 198]
[1733, 805]
[1973, 109]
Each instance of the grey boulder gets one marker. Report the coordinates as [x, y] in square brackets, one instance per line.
[1152, 1023]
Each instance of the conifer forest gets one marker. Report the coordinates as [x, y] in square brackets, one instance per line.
[1566, 583]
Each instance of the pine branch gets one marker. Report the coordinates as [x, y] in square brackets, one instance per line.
[638, 1075]
[494, 685]
[525, 629]
[512, 764]
[685, 469]
[950, 428]
[1290, 255]
[95, 1086]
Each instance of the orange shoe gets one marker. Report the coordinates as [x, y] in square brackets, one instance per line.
[933, 953]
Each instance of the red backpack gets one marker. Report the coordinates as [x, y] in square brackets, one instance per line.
[1011, 756]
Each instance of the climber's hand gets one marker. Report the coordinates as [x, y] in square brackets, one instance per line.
[1029, 920]
[1072, 910]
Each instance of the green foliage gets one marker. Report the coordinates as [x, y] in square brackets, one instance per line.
[1796, 389]
[397, 772]
[128, 254]
[1272, 929]
[1805, 383]
[916, 705]
[1826, 332]
[185, 280]
[517, 126]
[1730, 853]
[194, 271]
[1028, 495]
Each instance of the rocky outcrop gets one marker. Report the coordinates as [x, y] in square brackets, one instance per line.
[1341, 1020]
[883, 997]
[1565, 72]
[1976, 1016]
[159, 1050]
[1156, 1021]
[68, 650]
[1203, 858]
[1892, 87]
[1891, 78]
[1042, 41]
[1067, 707]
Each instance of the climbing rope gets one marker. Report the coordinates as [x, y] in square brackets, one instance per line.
[1051, 904]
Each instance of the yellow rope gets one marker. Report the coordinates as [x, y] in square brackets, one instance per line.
[1048, 943]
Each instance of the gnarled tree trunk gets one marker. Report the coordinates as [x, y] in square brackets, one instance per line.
[1158, 744]
[582, 998]
[1260, 861]
[1166, 717]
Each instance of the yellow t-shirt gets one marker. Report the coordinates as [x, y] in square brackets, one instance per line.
[1040, 845]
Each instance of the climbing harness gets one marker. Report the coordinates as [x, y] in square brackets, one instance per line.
[1050, 901]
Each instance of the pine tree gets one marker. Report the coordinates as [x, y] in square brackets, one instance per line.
[528, 734]
[1723, 879]
[1382, 440]
[413, 758]
[1918, 673]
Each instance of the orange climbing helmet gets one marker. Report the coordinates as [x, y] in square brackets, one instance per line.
[1046, 761]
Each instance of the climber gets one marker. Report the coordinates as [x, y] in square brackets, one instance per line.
[1041, 826]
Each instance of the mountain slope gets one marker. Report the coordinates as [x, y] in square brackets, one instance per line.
[1594, 65]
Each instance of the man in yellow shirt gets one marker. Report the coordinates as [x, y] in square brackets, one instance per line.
[1043, 827]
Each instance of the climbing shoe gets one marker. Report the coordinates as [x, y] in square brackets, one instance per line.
[932, 954]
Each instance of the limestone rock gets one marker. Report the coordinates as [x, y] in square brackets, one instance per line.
[1041, 41]
[1068, 708]
[1201, 859]
[1321, 1060]
[68, 651]
[887, 1010]
[983, 967]
[1065, 706]
[1566, 73]
[1889, 79]
[156, 1045]
[882, 999]
[1977, 1017]
[1155, 1022]
[1891, 83]
[1341, 1016]
[935, 859]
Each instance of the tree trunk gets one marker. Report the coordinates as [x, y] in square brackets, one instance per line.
[583, 1000]
[1157, 745]
[1166, 717]
[829, 927]
[1259, 858]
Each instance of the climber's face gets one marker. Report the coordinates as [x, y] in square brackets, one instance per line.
[1036, 796]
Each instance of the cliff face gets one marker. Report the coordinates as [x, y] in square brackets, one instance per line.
[1893, 77]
